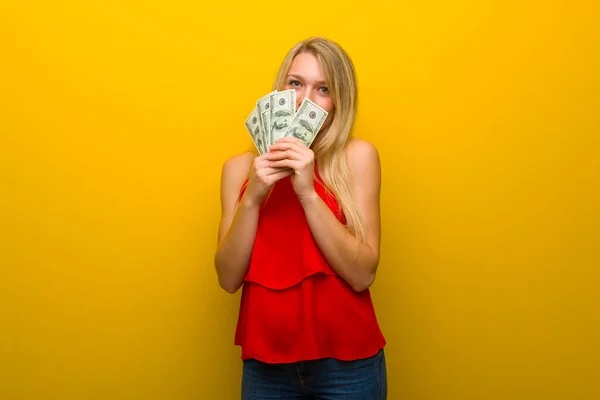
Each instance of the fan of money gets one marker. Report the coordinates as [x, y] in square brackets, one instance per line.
[275, 116]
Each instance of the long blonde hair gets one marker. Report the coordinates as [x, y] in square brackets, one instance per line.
[330, 144]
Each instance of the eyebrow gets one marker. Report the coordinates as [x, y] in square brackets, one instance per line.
[302, 78]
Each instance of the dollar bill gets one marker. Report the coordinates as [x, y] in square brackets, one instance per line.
[283, 107]
[264, 114]
[307, 122]
[253, 126]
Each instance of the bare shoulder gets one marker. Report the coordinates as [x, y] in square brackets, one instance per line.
[363, 159]
[233, 174]
[236, 168]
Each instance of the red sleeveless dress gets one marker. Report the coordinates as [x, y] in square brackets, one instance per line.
[294, 306]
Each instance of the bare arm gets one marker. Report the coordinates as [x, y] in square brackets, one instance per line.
[335, 241]
[239, 221]
[237, 228]
[355, 262]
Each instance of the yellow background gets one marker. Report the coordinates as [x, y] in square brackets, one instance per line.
[115, 119]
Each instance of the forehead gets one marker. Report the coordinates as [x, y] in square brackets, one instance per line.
[307, 66]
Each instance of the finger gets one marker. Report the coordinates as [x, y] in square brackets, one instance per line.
[286, 142]
[271, 179]
[261, 157]
[270, 170]
[299, 148]
[283, 154]
[261, 164]
[261, 160]
[296, 146]
[287, 163]
[291, 140]
[280, 175]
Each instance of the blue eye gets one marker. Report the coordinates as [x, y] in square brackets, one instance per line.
[324, 90]
[294, 83]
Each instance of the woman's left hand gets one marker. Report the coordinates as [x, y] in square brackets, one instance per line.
[290, 152]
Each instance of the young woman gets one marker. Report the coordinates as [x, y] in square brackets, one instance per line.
[300, 231]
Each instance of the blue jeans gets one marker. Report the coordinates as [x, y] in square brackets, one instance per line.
[324, 379]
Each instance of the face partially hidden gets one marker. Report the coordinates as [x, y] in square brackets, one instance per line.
[307, 78]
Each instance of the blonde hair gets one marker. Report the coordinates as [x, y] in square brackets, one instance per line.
[330, 144]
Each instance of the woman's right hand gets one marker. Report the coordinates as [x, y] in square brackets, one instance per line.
[261, 179]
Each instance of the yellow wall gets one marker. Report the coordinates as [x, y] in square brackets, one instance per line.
[115, 119]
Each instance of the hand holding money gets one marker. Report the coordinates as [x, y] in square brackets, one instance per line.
[291, 152]
[261, 178]
[275, 117]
